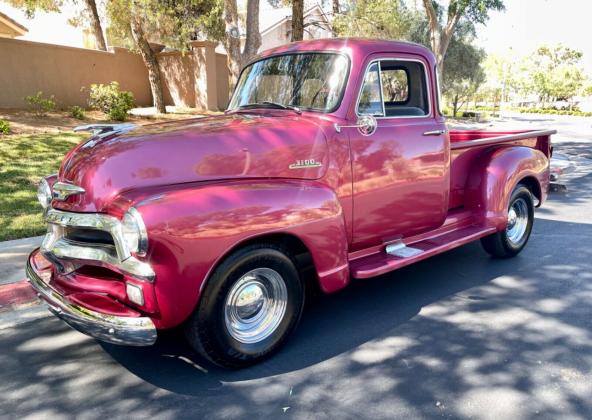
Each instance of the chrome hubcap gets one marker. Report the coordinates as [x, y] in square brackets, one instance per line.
[255, 306]
[517, 221]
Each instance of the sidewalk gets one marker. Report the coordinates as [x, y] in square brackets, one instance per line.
[18, 302]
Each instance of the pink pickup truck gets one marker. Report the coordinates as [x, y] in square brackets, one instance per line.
[332, 162]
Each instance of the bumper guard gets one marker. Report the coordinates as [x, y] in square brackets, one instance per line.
[130, 331]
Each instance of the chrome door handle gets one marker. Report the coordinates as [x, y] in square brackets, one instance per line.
[434, 133]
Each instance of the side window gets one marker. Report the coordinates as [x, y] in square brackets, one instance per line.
[395, 85]
[395, 88]
[404, 88]
[370, 102]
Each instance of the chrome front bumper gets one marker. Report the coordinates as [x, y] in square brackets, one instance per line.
[130, 331]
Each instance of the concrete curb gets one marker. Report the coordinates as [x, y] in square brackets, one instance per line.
[19, 304]
[16, 294]
[18, 301]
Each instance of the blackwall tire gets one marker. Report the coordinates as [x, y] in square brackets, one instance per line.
[251, 304]
[509, 242]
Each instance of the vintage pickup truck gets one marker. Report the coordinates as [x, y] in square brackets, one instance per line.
[332, 162]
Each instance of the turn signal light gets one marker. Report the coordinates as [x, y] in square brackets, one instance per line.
[135, 293]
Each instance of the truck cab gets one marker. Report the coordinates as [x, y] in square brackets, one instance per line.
[332, 162]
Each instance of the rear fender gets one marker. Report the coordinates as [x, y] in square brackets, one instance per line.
[495, 174]
[191, 230]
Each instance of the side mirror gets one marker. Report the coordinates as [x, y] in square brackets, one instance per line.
[366, 125]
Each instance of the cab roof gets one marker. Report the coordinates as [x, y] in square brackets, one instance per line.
[355, 48]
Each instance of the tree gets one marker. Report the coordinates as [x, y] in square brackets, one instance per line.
[253, 36]
[476, 11]
[556, 74]
[155, 78]
[297, 20]
[171, 22]
[375, 19]
[32, 6]
[89, 15]
[336, 10]
[464, 74]
[95, 24]
[237, 58]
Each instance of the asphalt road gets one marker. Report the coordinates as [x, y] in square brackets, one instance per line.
[458, 336]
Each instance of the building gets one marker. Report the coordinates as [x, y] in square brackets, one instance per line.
[275, 25]
[10, 28]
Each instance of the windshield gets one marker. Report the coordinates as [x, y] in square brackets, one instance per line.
[309, 81]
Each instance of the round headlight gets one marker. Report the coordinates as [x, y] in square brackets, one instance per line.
[44, 194]
[134, 232]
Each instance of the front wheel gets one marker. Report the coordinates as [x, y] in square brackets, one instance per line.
[251, 304]
[513, 239]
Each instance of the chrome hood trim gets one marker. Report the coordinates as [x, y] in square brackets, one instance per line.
[105, 129]
[61, 190]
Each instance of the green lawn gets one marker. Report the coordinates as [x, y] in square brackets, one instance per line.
[24, 160]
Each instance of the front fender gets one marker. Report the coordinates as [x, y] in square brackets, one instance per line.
[191, 229]
[495, 174]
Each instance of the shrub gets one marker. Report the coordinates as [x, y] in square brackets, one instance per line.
[4, 127]
[40, 105]
[77, 112]
[112, 101]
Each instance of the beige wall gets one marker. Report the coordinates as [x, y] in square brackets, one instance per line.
[28, 67]
[197, 79]
[178, 71]
[223, 81]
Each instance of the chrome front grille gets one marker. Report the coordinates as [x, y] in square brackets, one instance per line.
[73, 238]
[91, 236]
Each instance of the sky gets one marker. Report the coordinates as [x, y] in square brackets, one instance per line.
[527, 24]
[52, 28]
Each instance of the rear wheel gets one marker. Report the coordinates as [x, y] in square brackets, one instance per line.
[251, 304]
[513, 239]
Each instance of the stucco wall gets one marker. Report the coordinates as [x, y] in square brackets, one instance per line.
[197, 79]
[223, 81]
[178, 71]
[28, 67]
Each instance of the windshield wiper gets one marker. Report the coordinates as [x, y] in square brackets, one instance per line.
[272, 104]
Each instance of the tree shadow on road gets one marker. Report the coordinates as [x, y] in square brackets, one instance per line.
[447, 335]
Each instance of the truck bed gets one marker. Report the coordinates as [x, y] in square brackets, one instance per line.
[467, 145]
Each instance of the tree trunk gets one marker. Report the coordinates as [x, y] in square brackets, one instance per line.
[95, 24]
[150, 61]
[253, 41]
[233, 47]
[440, 37]
[297, 20]
[336, 8]
[455, 106]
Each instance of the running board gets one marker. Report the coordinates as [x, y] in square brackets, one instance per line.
[398, 255]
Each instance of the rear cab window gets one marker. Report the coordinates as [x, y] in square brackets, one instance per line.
[394, 88]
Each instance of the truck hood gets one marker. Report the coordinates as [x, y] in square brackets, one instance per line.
[233, 146]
